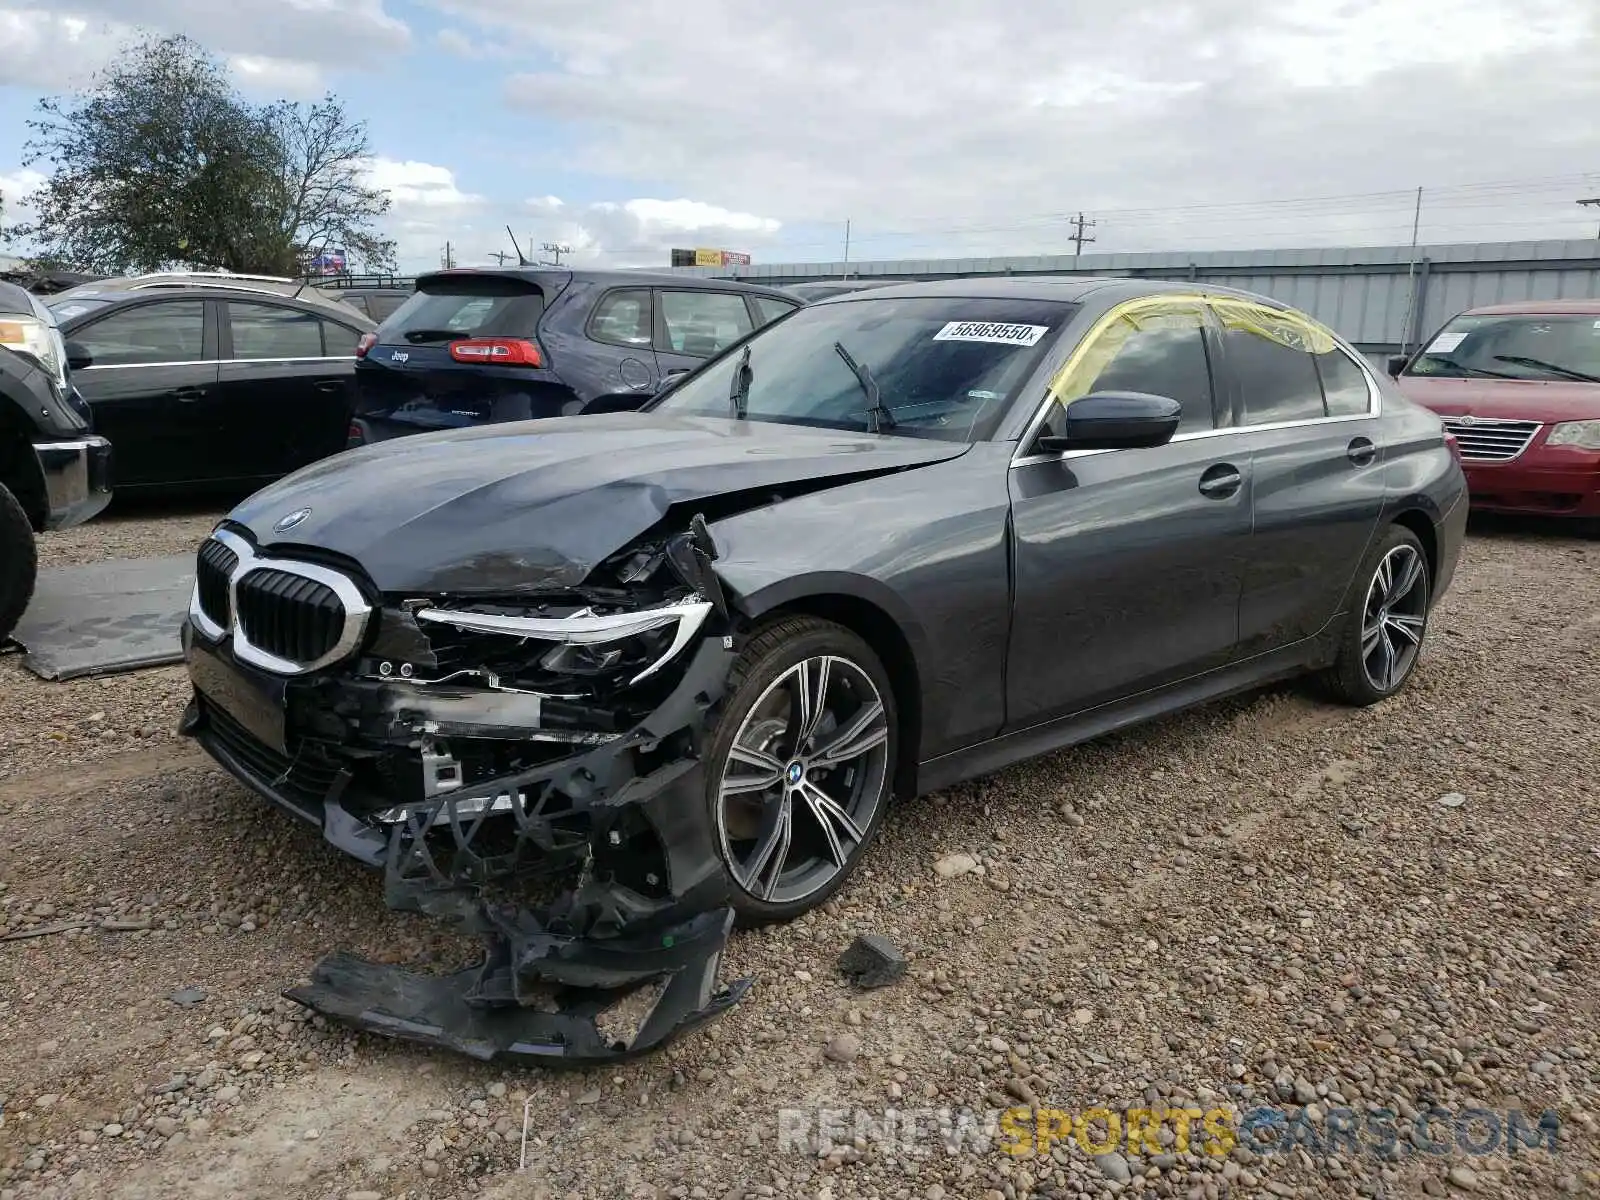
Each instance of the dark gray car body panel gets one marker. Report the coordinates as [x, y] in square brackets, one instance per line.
[1022, 600]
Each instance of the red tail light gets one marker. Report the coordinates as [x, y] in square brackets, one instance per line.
[367, 342]
[497, 352]
[1453, 445]
[354, 433]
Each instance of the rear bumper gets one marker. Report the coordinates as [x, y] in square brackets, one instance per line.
[1452, 537]
[77, 479]
[1541, 482]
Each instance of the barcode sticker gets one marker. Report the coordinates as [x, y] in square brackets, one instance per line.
[991, 331]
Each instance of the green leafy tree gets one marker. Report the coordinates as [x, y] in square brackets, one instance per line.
[160, 163]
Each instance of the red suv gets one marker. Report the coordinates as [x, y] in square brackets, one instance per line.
[1519, 387]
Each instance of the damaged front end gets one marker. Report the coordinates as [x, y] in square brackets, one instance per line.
[527, 768]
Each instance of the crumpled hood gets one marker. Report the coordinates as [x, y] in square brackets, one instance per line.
[1505, 399]
[537, 505]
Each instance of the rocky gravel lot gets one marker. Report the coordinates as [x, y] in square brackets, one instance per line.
[1270, 901]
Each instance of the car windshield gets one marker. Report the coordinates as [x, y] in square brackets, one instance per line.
[67, 307]
[1514, 347]
[945, 367]
[465, 306]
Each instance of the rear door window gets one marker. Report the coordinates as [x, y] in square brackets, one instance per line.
[703, 323]
[263, 331]
[339, 341]
[1270, 355]
[466, 306]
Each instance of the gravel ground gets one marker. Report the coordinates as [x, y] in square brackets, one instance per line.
[133, 530]
[1266, 901]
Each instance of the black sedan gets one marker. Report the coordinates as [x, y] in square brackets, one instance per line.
[230, 382]
[651, 672]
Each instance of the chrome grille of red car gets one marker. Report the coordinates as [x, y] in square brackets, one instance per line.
[1491, 439]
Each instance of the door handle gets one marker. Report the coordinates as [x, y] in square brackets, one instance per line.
[676, 372]
[331, 385]
[1221, 481]
[1361, 451]
[188, 395]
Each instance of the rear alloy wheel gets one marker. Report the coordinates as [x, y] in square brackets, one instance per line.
[801, 766]
[1382, 644]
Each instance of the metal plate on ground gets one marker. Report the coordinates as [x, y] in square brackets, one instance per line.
[103, 618]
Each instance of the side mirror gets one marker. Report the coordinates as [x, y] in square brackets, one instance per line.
[1397, 363]
[78, 356]
[1114, 421]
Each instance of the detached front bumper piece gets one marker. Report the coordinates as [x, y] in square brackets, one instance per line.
[591, 878]
[666, 987]
[77, 479]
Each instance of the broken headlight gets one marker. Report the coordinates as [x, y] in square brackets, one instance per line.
[639, 643]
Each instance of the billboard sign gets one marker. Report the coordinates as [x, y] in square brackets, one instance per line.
[709, 258]
[329, 262]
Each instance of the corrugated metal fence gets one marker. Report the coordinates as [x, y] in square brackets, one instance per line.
[1382, 298]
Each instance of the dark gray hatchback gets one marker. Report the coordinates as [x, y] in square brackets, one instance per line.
[479, 346]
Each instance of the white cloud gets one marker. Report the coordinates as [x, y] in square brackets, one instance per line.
[283, 47]
[959, 124]
[277, 77]
[15, 188]
[41, 49]
[418, 184]
[691, 215]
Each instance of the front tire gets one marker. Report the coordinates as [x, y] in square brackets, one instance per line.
[1383, 638]
[800, 766]
[19, 562]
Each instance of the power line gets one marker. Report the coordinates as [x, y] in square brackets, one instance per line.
[555, 250]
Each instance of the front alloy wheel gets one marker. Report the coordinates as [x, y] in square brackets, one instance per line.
[804, 761]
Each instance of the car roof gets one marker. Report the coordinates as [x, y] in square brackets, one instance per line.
[564, 275]
[1072, 289]
[320, 302]
[1538, 308]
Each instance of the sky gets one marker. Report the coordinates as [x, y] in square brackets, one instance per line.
[933, 128]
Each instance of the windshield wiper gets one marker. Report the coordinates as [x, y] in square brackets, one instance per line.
[1480, 372]
[432, 335]
[877, 414]
[739, 393]
[1538, 364]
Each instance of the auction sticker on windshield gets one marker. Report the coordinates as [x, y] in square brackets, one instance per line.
[991, 331]
[1446, 342]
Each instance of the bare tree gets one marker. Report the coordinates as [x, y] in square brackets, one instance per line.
[161, 163]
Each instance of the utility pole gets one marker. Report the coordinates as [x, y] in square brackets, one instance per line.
[556, 251]
[846, 274]
[500, 256]
[448, 258]
[1411, 271]
[1079, 234]
[1593, 202]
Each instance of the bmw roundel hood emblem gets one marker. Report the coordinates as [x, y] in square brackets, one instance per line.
[289, 520]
